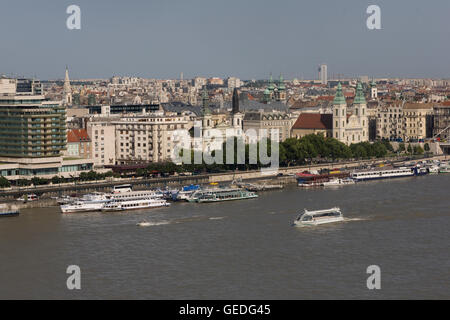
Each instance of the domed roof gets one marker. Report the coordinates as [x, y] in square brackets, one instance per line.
[359, 96]
[281, 85]
[339, 97]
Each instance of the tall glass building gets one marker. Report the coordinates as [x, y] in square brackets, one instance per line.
[30, 125]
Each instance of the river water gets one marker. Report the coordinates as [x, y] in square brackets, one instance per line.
[240, 250]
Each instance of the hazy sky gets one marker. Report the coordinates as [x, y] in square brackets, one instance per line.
[243, 38]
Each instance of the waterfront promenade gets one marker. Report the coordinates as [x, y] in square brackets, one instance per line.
[282, 175]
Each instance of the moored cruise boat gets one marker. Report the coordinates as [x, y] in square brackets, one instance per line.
[96, 201]
[319, 217]
[134, 204]
[187, 191]
[82, 206]
[310, 180]
[136, 195]
[221, 194]
[88, 202]
[382, 174]
[338, 182]
[433, 169]
[6, 211]
[420, 171]
[444, 168]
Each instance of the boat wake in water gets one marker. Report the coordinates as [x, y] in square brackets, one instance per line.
[154, 223]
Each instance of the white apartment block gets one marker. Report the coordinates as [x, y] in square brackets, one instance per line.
[103, 147]
[148, 138]
[233, 82]
[390, 122]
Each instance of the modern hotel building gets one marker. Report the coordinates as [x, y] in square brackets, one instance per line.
[33, 133]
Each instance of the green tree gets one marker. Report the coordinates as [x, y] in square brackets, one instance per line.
[410, 150]
[4, 183]
[418, 150]
[426, 147]
[56, 180]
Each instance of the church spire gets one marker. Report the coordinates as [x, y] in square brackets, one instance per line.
[339, 97]
[359, 95]
[271, 86]
[205, 101]
[235, 108]
[67, 90]
[281, 85]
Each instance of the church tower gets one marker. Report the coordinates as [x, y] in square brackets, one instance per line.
[236, 115]
[281, 93]
[271, 87]
[360, 107]
[67, 90]
[206, 112]
[373, 91]
[339, 115]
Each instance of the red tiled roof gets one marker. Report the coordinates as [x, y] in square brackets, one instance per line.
[314, 121]
[250, 97]
[326, 98]
[78, 135]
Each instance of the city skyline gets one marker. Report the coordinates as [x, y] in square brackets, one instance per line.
[207, 38]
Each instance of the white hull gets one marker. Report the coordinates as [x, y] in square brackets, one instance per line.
[74, 208]
[184, 195]
[135, 205]
[319, 221]
[382, 174]
[338, 182]
[314, 218]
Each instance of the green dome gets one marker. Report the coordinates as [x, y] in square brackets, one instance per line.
[359, 96]
[339, 97]
[281, 85]
[271, 86]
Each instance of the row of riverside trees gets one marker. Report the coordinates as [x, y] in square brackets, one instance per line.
[37, 181]
[316, 147]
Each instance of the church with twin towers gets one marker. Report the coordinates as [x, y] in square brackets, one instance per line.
[350, 125]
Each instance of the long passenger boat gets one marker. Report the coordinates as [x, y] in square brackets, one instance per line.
[383, 174]
[134, 204]
[221, 194]
[308, 180]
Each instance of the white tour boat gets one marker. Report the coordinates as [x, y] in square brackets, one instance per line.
[134, 204]
[82, 206]
[382, 174]
[136, 195]
[96, 201]
[444, 168]
[89, 202]
[187, 191]
[433, 169]
[338, 182]
[319, 217]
